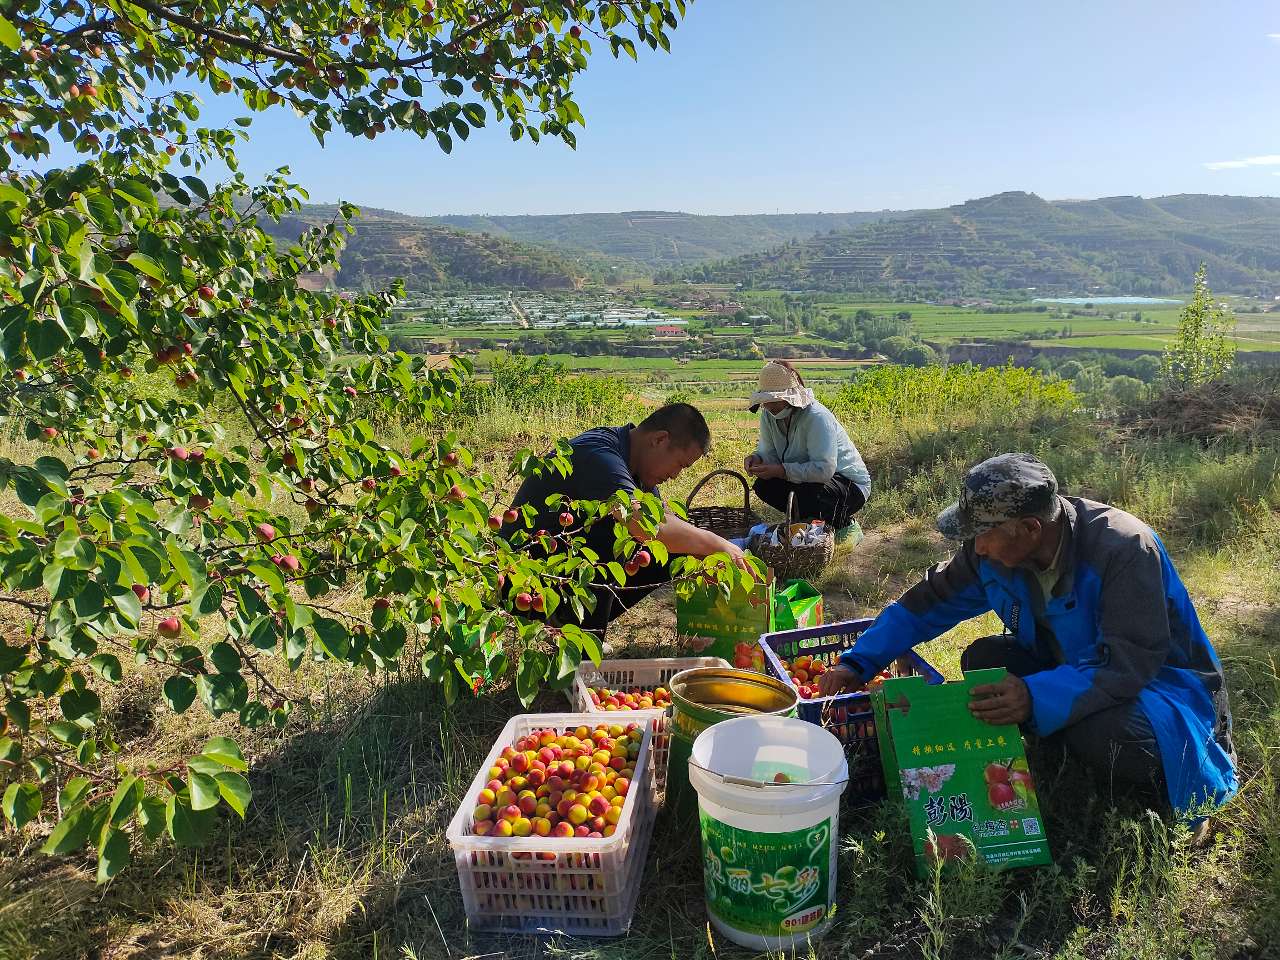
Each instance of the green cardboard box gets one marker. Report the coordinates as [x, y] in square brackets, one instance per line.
[798, 604]
[719, 626]
[729, 627]
[963, 781]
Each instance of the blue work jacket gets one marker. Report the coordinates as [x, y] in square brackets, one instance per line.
[1118, 627]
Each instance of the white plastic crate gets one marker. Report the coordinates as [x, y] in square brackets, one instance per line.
[570, 885]
[625, 674]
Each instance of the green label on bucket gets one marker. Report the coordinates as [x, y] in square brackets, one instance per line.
[767, 884]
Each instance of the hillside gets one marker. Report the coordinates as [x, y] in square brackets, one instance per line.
[659, 239]
[1015, 242]
[1000, 245]
[429, 256]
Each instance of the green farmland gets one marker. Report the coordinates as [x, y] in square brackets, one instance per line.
[665, 370]
[951, 323]
[803, 326]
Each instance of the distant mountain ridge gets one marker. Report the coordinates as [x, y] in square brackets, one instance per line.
[1008, 244]
[1016, 242]
[430, 256]
[665, 238]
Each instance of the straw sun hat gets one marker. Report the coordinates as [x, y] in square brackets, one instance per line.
[779, 382]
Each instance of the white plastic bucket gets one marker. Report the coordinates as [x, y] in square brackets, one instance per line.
[769, 849]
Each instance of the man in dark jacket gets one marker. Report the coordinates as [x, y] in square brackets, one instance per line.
[630, 459]
[1102, 642]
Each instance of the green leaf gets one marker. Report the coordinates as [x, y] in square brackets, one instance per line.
[332, 637]
[188, 827]
[128, 607]
[107, 666]
[19, 713]
[204, 790]
[76, 704]
[267, 573]
[659, 551]
[146, 565]
[254, 715]
[586, 641]
[196, 186]
[11, 194]
[262, 634]
[207, 600]
[203, 764]
[226, 752]
[54, 473]
[62, 582]
[74, 790]
[11, 657]
[144, 264]
[64, 732]
[21, 803]
[10, 751]
[529, 675]
[225, 658]
[125, 801]
[135, 191]
[222, 692]
[114, 856]
[71, 833]
[9, 35]
[179, 560]
[236, 791]
[178, 693]
[151, 814]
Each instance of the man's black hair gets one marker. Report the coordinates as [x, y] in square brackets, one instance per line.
[683, 421]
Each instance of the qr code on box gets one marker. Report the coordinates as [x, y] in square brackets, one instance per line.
[1031, 827]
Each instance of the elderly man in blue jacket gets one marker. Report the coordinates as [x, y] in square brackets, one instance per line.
[1102, 643]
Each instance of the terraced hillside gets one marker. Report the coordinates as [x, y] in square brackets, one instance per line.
[428, 256]
[1016, 242]
[659, 239]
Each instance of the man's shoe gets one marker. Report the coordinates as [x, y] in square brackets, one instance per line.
[1203, 830]
[850, 534]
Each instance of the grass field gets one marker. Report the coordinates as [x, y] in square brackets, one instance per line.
[343, 855]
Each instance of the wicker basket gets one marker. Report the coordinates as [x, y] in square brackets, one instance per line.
[729, 522]
[794, 563]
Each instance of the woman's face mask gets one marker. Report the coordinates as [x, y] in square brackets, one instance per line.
[782, 414]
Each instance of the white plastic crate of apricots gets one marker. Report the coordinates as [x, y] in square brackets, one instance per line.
[566, 850]
[636, 687]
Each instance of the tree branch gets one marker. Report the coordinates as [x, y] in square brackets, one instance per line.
[216, 33]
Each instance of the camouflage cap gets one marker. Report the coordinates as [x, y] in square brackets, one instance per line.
[1006, 487]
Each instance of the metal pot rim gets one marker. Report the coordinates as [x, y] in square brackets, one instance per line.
[732, 675]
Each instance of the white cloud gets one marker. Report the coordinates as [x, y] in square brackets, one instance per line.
[1273, 36]
[1271, 160]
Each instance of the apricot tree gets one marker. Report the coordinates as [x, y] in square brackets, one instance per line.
[195, 484]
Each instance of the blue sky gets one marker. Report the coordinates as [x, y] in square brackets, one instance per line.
[834, 105]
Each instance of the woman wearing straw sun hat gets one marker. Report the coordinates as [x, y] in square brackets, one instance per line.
[804, 451]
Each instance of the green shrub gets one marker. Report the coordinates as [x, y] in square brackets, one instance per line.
[542, 387]
[946, 393]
